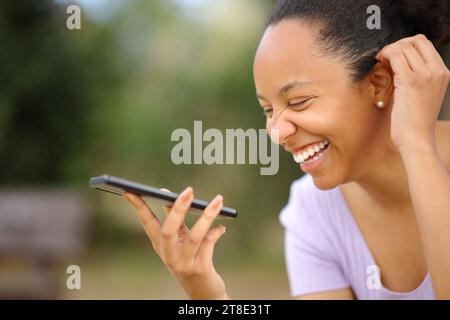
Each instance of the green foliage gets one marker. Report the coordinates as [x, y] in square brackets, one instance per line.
[51, 79]
[106, 98]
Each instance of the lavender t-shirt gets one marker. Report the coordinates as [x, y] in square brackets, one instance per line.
[325, 249]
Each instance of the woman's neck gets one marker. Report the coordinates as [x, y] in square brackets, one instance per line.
[385, 180]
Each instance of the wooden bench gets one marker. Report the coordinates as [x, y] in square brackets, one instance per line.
[41, 233]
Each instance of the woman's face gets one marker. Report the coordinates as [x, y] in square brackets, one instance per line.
[318, 103]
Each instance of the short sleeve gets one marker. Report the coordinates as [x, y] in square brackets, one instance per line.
[311, 262]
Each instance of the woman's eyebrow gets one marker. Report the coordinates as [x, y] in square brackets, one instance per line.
[293, 84]
[285, 89]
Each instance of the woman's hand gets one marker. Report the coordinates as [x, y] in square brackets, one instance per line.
[186, 253]
[420, 82]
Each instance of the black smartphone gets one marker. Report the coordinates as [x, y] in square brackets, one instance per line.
[118, 186]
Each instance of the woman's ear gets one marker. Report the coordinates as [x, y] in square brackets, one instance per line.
[381, 82]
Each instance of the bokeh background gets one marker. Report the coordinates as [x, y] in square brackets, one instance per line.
[105, 99]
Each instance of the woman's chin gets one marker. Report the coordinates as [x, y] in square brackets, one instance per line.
[326, 182]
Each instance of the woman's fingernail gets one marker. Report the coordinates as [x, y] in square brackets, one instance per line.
[186, 194]
[218, 200]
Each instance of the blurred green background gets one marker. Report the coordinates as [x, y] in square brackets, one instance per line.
[106, 98]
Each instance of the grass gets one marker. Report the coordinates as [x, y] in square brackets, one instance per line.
[138, 273]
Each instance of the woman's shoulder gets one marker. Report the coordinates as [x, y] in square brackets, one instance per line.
[443, 141]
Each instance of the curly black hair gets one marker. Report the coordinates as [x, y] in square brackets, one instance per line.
[342, 25]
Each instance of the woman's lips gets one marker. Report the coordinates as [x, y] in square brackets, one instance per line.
[310, 151]
[316, 161]
[305, 146]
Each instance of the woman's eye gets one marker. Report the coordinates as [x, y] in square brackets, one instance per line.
[268, 112]
[298, 105]
[295, 104]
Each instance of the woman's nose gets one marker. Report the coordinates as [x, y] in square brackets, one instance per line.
[280, 129]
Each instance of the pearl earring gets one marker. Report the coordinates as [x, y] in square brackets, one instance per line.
[380, 104]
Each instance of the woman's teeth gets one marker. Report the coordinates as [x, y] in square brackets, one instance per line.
[306, 155]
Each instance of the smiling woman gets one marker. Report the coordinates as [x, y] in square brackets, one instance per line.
[372, 97]
[357, 109]
[317, 99]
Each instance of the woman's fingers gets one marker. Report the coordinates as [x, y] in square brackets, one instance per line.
[396, 58]
[206, 251]
[183, 229]
[150, 222]
[422, 44]
[201, 239]
[178, 211]
[415, 60]
[201, 227]
[173, 222]
[166, 208]
[427, 51]
[418, 53]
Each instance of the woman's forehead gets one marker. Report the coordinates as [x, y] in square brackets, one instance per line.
[283, 42]
[287, 52]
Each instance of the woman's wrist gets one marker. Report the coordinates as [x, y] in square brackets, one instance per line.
[206, 288]
[420, 156]
[417, 146]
